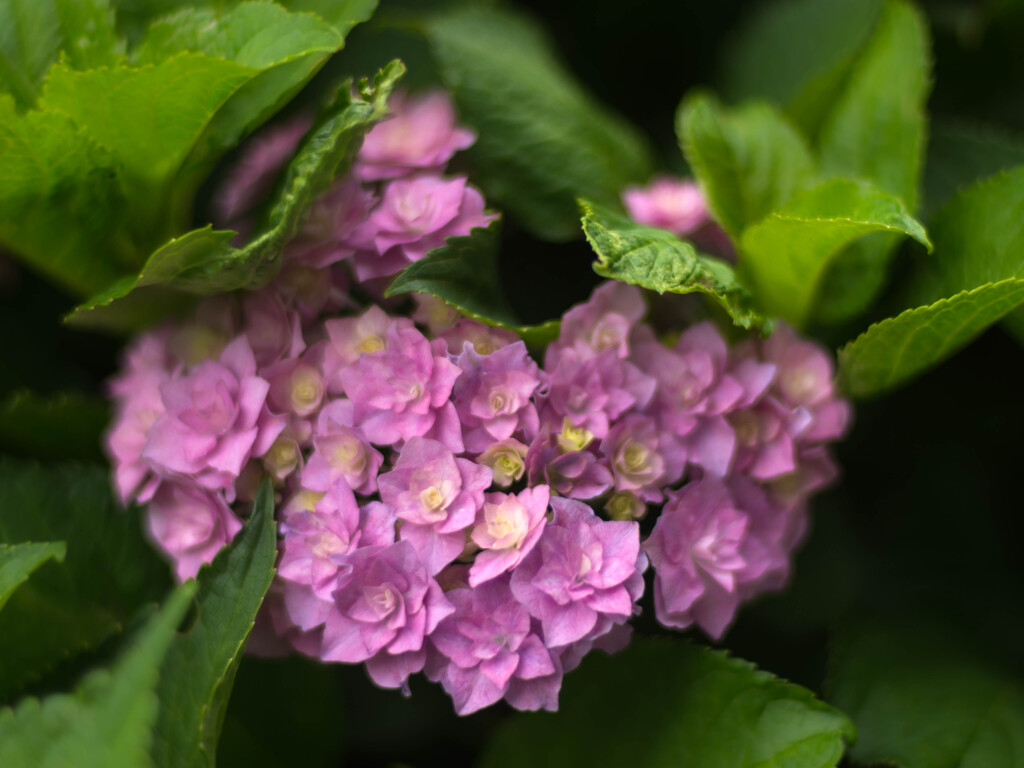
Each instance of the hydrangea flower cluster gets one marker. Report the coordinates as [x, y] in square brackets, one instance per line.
[447, 503]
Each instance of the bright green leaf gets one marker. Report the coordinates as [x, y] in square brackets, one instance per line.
[919, 701]
[660, 261]
[287, 49]
[62, 201]
[342, 14]
[895, 350]
[18, 561]
[877, 132]
[978, 264]
[811, 46]
[786, 254]
[107, 722]
[542, 140]
[706, 710]
[109, 571]
[198, 672]
[34, 32]
[464, 273]
[66, 425]
[749, 161]
[204, 261]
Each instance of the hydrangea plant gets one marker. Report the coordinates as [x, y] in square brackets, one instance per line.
[414, 366]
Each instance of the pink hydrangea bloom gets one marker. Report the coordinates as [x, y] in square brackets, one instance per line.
[710, 548]
[577, 474]
[493, 395]
[484, 339]
[485, 644]
[593, 393]
[139, 405]
[385, 604]
[583, 576]
[421, 135]
[643, 458]
[668, 203]
[215, 419]
[190, 524]
[402, 391]
[603, 322]
[335, 218]
[804, 380]
[508, 527]
[253, 177]
[273, 331]
[695, 390]
[415, 216]
[437, 496]
[341, 452]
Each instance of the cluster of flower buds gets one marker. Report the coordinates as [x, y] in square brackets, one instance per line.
[447, 504]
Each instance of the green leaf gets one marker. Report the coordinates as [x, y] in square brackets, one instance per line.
[961, 153]
[895, 350]
[464, 273]
[107, 721]
[286, 48]
[342, 14]
[204, 261]
[258, 731]
[811, 46]
[66, 425]
[660, 261]
[920, 701]
[17, 563]
[786, 254]
[877, 132]
[34, 32]
[749, 161]
[199, 670]
[706, 710]
[109, 571]
[542, 140]
[979, 261]
[62, 201]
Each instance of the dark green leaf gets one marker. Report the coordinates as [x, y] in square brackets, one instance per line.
[919, 701]
[810, 45]
[786, 254]
[749, 161]
[62, 426]
[542, 141]
[34, 32]
[198, 672]
[18, 561]
[107, 722]
[979, 266]
[961, 153]
[260, 732]
[670, 703]
[464, 273]
[204, 261]
[877, 132]
[110, 569]
[660, 261]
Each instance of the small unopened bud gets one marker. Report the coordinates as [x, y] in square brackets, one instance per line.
[625, 506]
[506, 459]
